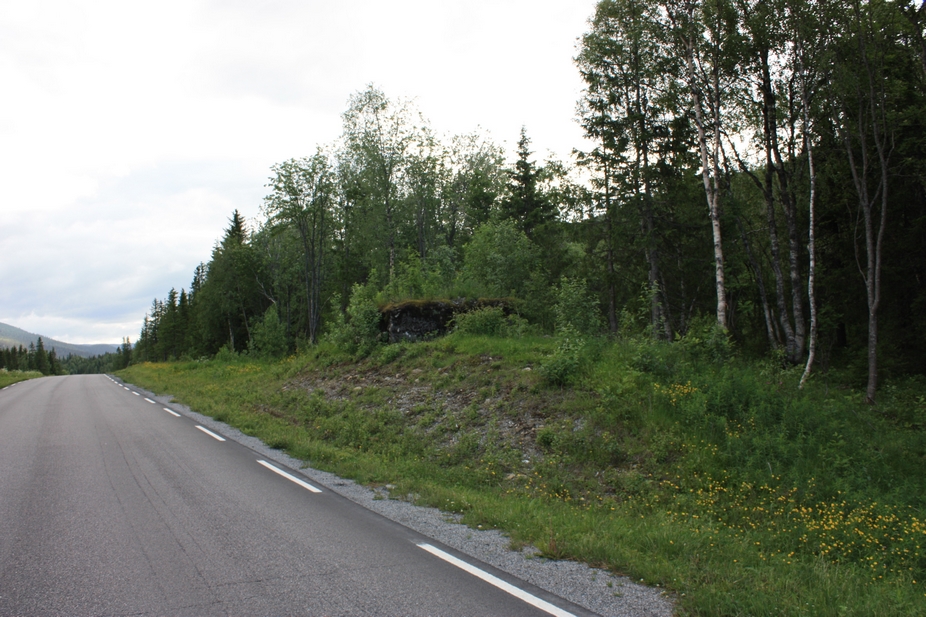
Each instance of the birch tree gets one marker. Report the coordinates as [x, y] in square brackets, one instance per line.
[380, 137]
[707, 37]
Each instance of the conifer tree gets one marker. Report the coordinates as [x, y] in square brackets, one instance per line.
[525, 203]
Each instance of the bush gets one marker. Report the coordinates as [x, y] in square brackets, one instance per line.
[707, 340]
[490, 321]
[499, 259]
[268, 336]
[576, 310]
[360, 332]
[421, 278]
[563, 366]
[226, 353]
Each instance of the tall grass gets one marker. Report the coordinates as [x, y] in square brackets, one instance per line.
[10, 377]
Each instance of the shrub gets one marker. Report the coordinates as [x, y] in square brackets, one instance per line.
[360, 332]
[490, 321]
[268, 336]
[707, 340]
[421, 278]
[576, 310]
[563, 366]
[226, 353]
[499, 259]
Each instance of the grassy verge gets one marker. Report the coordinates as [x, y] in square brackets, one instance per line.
[676, 464]
[11, 377]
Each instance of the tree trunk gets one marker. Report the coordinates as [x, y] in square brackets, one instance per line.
[609, 224]
[391, 228]
[709, 162]
[794, 336]
[760, 282]
[811, 233]
[775, 248]
[871, 115]
[794, 248]
[318, 252]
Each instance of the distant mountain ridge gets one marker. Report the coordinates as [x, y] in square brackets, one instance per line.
[11, 336]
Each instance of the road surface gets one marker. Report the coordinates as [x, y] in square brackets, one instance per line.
[113, 504]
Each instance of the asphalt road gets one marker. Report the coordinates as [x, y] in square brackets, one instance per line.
[112, 505]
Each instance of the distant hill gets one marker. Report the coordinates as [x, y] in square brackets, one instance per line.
[11, 336]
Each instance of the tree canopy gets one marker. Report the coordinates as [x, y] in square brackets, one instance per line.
[760, 162]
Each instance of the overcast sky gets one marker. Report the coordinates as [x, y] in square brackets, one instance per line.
[130, 131]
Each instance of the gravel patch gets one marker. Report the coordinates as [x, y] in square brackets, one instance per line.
[594, 589]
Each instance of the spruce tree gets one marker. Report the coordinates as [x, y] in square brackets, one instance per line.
[526, 205]
[41, 357]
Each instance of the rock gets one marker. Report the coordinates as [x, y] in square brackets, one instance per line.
[414, 320]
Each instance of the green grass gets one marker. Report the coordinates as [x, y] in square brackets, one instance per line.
[678, 465]
[11, 377]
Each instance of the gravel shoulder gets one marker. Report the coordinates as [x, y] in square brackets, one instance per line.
[594, 589]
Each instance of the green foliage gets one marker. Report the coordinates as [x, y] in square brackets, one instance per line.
[538, 301]
[8, 377]
[35, 358]
[706, 340]
[576, 309]
[106, 363]
[490, 321]
[226, 354]
[499, 259]
[268, 336]
[422, 278]
[303, 198]
[577, 319]
[525, 204]
[41, 358]
[360, 332]
[563, 366]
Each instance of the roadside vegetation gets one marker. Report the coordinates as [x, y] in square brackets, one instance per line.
[32, 359]
[8, 377]
[680, 465]
[694, 354]
[35, 359]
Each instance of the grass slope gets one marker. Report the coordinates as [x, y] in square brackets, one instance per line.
[678, 465]
[10, 377]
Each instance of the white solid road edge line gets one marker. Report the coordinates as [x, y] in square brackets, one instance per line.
[210, 433]
[292, 478]
[173, 413]
[494, 580]
[150, 401]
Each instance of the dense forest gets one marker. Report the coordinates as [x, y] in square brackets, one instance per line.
[33, 358]
[37, 358]
[759, 165]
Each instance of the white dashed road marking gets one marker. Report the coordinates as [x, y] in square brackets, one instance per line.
[210, 433]
[497, 582]
[290, 477]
